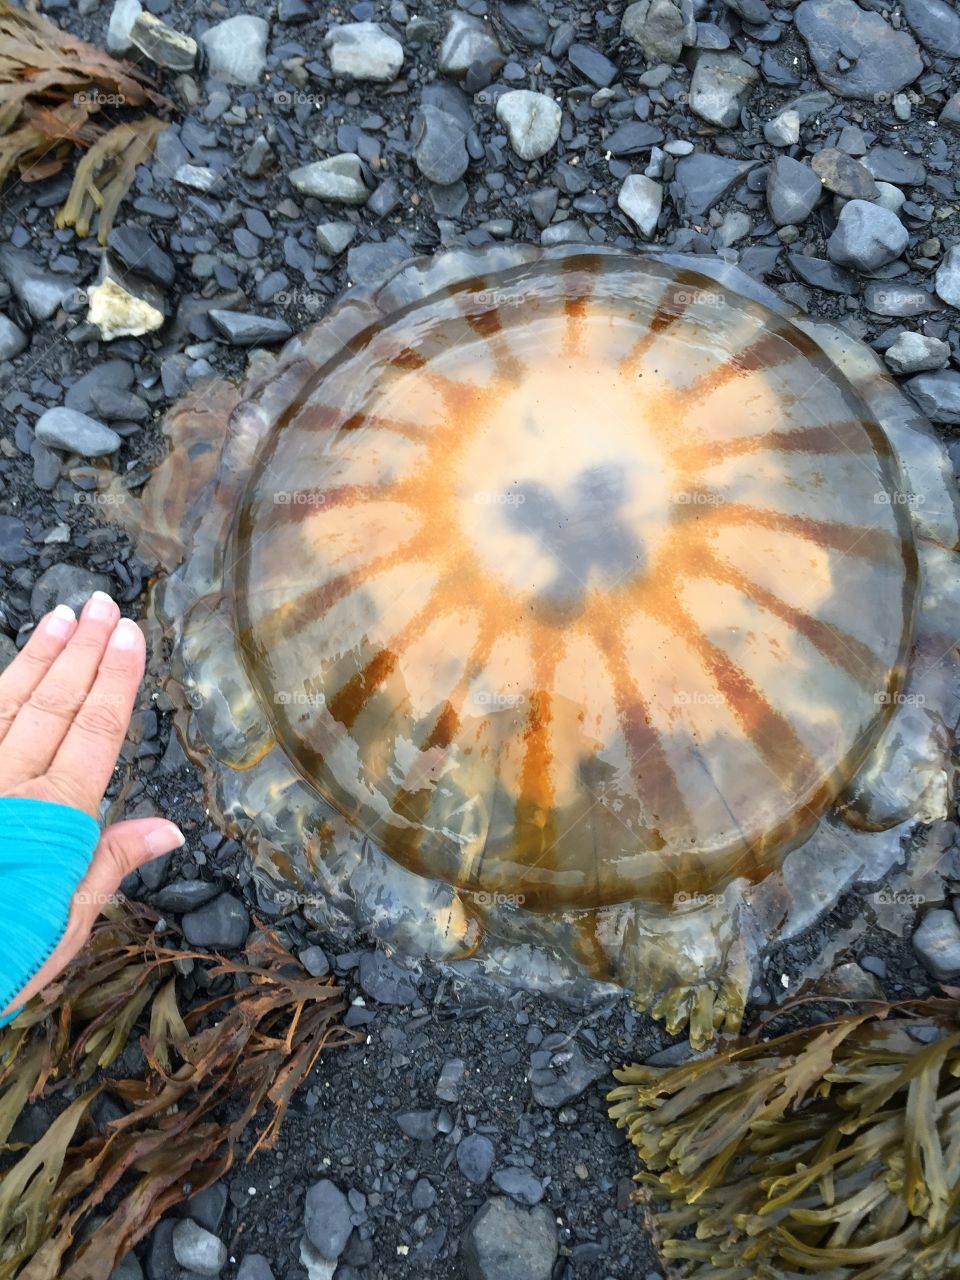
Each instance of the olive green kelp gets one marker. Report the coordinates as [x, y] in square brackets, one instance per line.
[831, 1151]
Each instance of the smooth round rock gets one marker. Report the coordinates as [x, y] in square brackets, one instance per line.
[505, 1242]
[866, 237]
[237, 49]
[532, 122]
[74, 432]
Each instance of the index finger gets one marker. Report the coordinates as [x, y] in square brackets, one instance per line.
[87, 756]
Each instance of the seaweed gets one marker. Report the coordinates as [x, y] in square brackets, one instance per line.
[57, 93]
[833, 1150]
[209, 1072]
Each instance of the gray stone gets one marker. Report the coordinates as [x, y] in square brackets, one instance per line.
[314, 960]
[114, 405]
[14, 543]
[505, 1242]
[890, 197]
[525, 24]
[793, 190]
[364, 51]
[890, 164]
[162, 45]
[937, 943]
[128, 1268]
[592, 64]
[385, 981]
[327, 1219]
[519, 1184]
[196, 176]
[657, 27]
[419, 1125]
[334, 237]
[570, 1074]
[73, 432]
[532, 122]
[719, 87]
[632, 137]
[736, 224]
[221, 923]
[439, 146]
[185, 895]
[754, 11]
[38, 290]
[947, 280]
[12, 339]
[866, 237]
[138, 251]
[451, 1077]
[372, 261]
[115, 374]
[338, 179]
[916, 353]
[237, 49]
[886, 60]
[254, 1266]
[641, 199]
[783, 130]
[122, 17]
[937, 394]
[843, 175]
[822, 274]
[935, 24]
[475, 1156]
[468, 40]
[703, 178]
[950, 115]
[241, 329]
[197, 1249]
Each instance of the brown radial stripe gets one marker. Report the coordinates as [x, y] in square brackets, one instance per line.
[487, 325]
[374, 421]
[772, 348]
[575, 310]
[669, 311]
[348, 702]
[844, 436]
[407, 359]
[877, 545]
[653, 773]
[837, 646]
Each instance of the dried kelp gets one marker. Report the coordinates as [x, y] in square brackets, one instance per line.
[55, 93]
[831, 1151]
[210, 1070]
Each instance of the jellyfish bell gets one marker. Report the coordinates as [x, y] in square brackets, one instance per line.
[586, 614]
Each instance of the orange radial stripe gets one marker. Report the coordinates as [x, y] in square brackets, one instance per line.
[878, 545]
[845, 436]
[673, 304]
[771, 349]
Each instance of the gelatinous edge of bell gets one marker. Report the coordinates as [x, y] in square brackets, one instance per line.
[693, 966]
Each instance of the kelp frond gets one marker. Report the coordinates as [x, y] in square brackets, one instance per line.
[54, 91]
[832, 1151]
[250, 1048]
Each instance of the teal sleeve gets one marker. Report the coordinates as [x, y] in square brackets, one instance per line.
[45, 850]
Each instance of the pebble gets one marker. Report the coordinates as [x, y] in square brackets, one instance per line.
[475, 1157]
[843, 175]
[657, 27]
[935, 24]
[12, 339]
[185, 895]
[327, 1219]
[364, 51]
[14, 544]
[197, 1249]
[886, 60]
[822, 273]
[66, 584]
[338, 179]
[916, 353]
[237, 49]
[162, 45]
[334, 237]
[468, 40]
[254, 1266]
[519, 1184]
[419, 1125]
[532, 122]
[783, 130]
[888, 164]
[385, 981]
[866, 237]
[138, 251]
[641, 199]
[111, 374]
[572, 1074]
[937, 394]
[122, 17]
[440, 150]
[937, 943]
[703, 178]
[38, 290]
[720, 86]
[793, 190]
[198, 177]
[224, 922]
[73, 432]
[505, 1242]
[314, 960]
[590, 62]
[947, 280]
[242, 329]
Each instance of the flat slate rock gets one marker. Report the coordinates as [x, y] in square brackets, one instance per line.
[883, 60]
[935, 24]
[888, 164]
[843, 175]
[75, 432]
[822, 274]
[702, 179]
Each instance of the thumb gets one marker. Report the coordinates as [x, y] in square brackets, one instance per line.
[122, 848]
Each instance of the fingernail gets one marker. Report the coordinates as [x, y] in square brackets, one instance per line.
[126, 634]
[60, 623]
[100, 607]
[164, 839]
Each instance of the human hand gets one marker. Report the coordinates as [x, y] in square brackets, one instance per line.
[65, 706]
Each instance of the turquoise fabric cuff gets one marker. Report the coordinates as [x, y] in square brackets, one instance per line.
[45, 849]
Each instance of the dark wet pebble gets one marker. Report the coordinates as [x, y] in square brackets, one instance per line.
[327, 1219]
[224, 922]
[385, 981]
[475, 1157]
